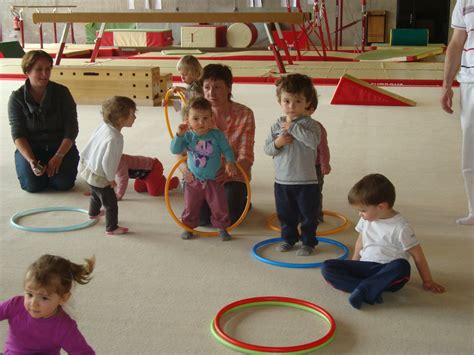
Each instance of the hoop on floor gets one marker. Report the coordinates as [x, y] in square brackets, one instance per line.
[241, 346]
[18, 215]
[297, 265]
[345, 223]
[166, 100]
[203, 233]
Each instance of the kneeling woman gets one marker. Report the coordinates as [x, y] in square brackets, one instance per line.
[43, 120]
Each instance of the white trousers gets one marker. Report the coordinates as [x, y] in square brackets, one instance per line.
[467, 126]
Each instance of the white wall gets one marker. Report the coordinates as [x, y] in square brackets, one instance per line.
[352, 12]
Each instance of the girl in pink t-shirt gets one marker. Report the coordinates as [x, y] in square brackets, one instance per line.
[38, 323]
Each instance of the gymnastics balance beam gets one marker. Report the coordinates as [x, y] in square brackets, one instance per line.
[173, 17]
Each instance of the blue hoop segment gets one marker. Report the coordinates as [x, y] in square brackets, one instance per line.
[297, 265]
[21, 214]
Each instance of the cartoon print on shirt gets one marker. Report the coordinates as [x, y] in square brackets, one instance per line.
[201, 153]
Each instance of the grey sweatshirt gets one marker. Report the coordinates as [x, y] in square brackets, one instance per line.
[295, 163]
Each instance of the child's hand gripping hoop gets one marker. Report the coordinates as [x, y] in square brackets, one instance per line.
[170, 92]
[237, 345]
[202, 233]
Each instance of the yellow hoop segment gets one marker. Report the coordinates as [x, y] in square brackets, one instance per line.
[345, 223]
[203, 233]
[183, 101]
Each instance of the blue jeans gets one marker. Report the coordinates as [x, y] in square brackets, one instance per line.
[298, 204]
[370, 278]
[63, 180]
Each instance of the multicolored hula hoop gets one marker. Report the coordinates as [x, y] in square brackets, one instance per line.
[241, 346]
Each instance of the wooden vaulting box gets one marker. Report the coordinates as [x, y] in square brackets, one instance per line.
[93, 84]
[203, 36]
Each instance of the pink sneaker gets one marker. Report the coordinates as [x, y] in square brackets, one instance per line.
[101, 213]
[117, 231]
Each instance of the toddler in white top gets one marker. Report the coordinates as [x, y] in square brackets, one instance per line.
[386, 242]
[101, 157]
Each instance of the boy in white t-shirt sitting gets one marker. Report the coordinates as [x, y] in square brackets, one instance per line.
[381, 254]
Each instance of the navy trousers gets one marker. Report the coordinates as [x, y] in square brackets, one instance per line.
[370, 278]
[298, 204]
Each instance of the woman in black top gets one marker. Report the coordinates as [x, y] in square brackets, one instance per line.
[44, 127]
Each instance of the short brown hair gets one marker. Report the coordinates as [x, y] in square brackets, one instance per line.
[298, 84]
[196, 103]
[188, 62]
[218, 72]
[56, 274]
[116, 108]
[372, 190]
[31, 57]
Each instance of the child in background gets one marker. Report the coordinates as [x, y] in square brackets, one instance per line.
[322, 167]
[38, 323]
[190, 70]
[100, 160]
[204, 146]
[293, 142]
[381, 254]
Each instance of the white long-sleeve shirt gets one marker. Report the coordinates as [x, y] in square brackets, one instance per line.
[101, 156]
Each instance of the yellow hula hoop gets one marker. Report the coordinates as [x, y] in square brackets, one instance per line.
[345, 223]
[167, 117]
[203, 233]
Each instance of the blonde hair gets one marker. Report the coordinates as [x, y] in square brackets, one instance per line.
[30, 58]
[191, 64]
[57, 274]
[117, 108]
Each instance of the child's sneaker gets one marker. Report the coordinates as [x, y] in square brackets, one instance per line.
[284, 247]
[186, 235]
[101, 213]
[305, 251]
[117, 231]
[225, 236]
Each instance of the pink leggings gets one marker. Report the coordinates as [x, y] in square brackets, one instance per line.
[213, 193]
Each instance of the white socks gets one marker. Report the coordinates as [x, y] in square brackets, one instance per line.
[469, 220]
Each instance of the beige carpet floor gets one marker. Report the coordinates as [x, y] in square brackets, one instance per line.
[153, 293]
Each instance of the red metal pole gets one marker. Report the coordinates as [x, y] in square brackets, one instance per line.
[41, 34]
[55, 31]
[325, 15]
[364, 23]
[22, 32]
[336, 42]
[319, 25]
[341, 20]
[295, 37]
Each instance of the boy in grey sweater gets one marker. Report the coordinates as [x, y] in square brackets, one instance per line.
[293, 143]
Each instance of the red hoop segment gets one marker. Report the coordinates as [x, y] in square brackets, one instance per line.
[275, 349]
